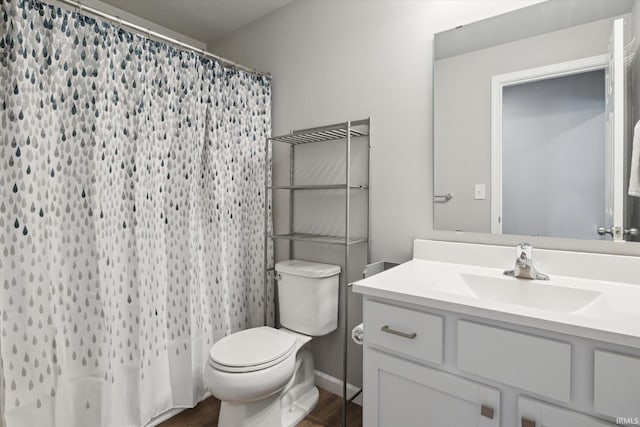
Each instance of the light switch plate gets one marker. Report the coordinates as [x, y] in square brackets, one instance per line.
[480, 191]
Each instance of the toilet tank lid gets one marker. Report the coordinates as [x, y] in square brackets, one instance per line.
[307, 268]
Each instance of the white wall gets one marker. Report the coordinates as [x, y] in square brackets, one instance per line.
[337, 60]
[126, 16]
[334, 60]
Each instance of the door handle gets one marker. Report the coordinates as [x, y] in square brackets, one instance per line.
[442, 198]
[633, 232]
[605, 230]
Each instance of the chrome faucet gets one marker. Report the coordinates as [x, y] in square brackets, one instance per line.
[524, 268]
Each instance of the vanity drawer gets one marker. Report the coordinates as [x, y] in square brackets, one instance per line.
[402, 330]
[616, 384]
[539, 365]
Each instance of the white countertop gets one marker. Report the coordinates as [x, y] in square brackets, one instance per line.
[595, 309]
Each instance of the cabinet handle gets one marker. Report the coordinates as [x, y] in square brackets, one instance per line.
[388, 330]
[526, 422]
[486, 411]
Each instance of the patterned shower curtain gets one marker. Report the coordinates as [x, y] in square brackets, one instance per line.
[131, 218]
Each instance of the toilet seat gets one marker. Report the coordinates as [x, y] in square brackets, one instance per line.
[251, 350]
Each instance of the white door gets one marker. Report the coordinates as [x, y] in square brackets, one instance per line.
[614, 113]
[402, 393]
[532, 413]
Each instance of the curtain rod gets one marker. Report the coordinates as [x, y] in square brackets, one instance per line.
[149, 33]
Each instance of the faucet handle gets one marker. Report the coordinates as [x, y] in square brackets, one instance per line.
[524, 250]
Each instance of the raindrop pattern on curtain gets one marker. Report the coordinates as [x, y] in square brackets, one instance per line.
[131, 218]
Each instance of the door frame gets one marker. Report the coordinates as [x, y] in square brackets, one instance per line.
[498, 82]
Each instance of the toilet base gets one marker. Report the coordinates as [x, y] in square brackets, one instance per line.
[260, 413]
[294, 413]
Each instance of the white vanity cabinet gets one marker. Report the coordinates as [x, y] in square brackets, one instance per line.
[403, 393]
[429, 367]
[449, 340]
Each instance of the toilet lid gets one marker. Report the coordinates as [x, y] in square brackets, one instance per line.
[251, 350]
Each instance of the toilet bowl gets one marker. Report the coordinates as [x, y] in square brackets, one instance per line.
[264, 376]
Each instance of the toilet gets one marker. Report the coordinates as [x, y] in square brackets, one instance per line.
[264, 376]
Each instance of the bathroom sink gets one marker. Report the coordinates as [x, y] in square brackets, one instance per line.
[530, 293]
[599, 301]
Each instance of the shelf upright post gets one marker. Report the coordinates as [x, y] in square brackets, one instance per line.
[266, 229]
[345, 289]
[292, 156]
[369, 190]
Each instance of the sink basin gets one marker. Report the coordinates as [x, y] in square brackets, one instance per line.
[592, 296]
[530, 293]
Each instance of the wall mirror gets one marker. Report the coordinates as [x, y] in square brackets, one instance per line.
[533, 122]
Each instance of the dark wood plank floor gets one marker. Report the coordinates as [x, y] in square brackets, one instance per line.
[328, 413]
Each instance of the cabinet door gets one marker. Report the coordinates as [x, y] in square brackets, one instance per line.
[616, 385]
[402, 393]
[532, 413]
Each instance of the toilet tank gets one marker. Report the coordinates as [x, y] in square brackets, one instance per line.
[308, 296]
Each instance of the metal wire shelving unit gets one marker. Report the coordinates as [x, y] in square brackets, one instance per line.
[348, 132]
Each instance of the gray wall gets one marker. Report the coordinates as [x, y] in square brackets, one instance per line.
[553, 146]
[126, 16]
[463, 128]
[344, 60]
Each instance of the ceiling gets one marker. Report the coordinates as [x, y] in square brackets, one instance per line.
[204, 20]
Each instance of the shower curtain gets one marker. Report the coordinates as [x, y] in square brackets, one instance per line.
[131, 218]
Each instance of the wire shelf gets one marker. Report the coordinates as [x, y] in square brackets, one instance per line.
[319, 187]
[321, 134]
[342, 133]
[319, 238]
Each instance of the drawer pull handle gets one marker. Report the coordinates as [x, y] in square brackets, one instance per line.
[486, 411]
[388, 330]
[526, 422]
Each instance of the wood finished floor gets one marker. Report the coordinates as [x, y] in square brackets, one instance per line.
[328, 413]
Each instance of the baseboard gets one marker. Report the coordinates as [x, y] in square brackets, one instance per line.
[334, 386]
